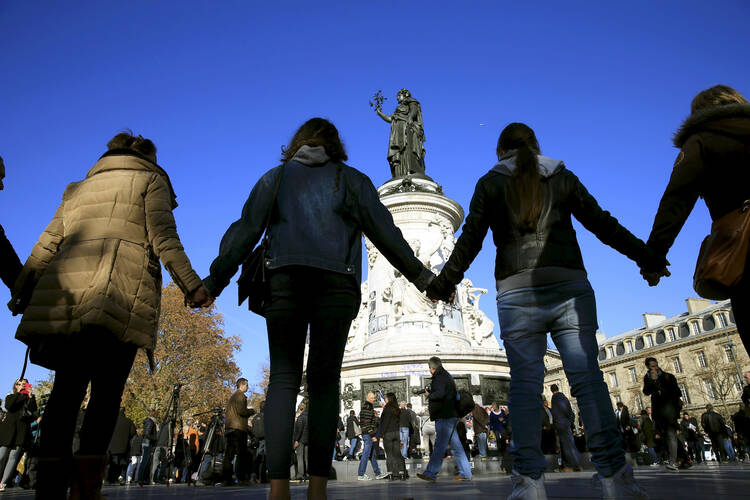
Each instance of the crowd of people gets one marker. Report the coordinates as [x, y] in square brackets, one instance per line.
[90, 297]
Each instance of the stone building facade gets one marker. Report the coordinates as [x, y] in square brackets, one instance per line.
[701, 347]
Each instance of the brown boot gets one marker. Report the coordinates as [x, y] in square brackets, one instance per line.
[88, 474]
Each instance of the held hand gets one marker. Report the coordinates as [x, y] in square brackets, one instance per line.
[653, 278]
[374, 439]
[200, 297]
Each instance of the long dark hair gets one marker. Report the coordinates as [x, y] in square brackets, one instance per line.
[392, 403]
[521, 137]
[316, 132]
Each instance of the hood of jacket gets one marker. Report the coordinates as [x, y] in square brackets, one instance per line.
[311, 155]
[108, 161]
[731, 120]
[506, 164]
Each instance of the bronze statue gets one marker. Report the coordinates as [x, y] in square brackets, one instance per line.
[406, 145]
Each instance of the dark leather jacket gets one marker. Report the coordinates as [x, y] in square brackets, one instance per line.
[442, 399]
[318, 219]
[553, 245]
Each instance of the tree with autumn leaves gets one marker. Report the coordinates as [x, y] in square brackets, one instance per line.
[192, 349]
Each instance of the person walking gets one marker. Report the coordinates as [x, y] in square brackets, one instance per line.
[321, 210]
[648, 433]
[150, 428]
[529, 200]
[404, 429]
[563, 418]
[135, 450]
[622, 415]
[714, 143]
[301, 437]
[480, 419]
[414, 431]
[15, 431]
[666, 402]
[90, 296]
[499, 423]
[549, 439]
[428, 434]
[391, 435]
[160, 454]
[10, 264]
[714, 426]
[353, 432]
[235, 435]
[442, 405]
[367, 421]
[119, 448]
[689, 429]
[259, 429]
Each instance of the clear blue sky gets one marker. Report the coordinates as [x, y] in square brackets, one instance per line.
[221, 86]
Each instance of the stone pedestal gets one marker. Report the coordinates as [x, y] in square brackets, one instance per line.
[398, 328]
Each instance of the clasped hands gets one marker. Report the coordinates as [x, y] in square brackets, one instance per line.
[200, 297]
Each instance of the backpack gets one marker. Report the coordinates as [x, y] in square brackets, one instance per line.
[464, 402]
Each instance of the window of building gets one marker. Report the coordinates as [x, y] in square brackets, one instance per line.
[629, 346]
[685, 395]
[723, 319]
[633, 375]
[638, 402]
[709, 388]
[649, 341]
[671, 334]
[613, 379]
[701, 357]
[695, 327]
[610, 352]
[729, 353]
[677, 365]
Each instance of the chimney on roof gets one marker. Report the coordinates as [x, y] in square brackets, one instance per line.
[600, 338]
[653, 319]
[695, 305]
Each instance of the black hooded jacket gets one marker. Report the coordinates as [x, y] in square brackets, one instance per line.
[713, 163]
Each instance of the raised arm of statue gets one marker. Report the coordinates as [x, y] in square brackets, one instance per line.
[382, 115]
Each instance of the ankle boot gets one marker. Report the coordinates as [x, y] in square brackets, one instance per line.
[52, 479]
[88, 474]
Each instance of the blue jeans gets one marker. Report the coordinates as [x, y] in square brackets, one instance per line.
[654, 458]
[482, 443]
[368, 454]
[145, 457]
[446, 435]
[729, 449]
[568, 311]
[353, 442]
[404, 438]
[568, 450]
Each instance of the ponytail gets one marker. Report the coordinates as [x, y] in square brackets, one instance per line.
[521, 138]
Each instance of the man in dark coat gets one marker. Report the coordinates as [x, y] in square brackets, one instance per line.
[549, 445]
[10, 265]
[648, 435]
[713, 424]
[236, 434]
[119, 447]
[691, 435]
[666, 402]
[562, 418]
[622, 414]
[301, 438]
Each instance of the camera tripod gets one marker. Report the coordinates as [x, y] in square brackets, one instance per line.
[172, 412]
[214, 427]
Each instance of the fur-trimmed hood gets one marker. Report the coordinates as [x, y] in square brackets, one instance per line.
[732, 120]
[507, 164]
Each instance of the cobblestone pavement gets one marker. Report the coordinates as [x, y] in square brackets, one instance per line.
[706, 482]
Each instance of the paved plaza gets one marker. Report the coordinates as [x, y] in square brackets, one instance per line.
[708, 482]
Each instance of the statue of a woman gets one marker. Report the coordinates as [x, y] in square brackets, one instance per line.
[406, 145]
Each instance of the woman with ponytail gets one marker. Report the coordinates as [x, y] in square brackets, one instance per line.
[527, 200]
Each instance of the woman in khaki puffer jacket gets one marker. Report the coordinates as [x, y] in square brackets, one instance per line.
[90, 295]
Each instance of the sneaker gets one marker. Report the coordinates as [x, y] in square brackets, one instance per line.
[654, 465]
[526, 488]
[621, 485]
[425, 477]
[459, 478]
[383, 475]
[346, 457]
[364, 477]
[671, 466]
[2, 486]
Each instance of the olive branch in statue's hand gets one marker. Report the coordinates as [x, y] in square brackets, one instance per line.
[379, 99]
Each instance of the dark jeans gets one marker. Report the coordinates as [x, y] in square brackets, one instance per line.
[741, 310]
[393, 458]
[236, 446]
[105, 362]
[568, 450]
[326, 303]
[717, 446]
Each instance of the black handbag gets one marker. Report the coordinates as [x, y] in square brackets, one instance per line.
[253, 281]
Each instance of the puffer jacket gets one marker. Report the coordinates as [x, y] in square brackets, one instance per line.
[97, 263]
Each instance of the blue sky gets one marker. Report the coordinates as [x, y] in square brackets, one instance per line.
[221, 86]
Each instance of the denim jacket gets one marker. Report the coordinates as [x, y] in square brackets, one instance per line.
[321, 211]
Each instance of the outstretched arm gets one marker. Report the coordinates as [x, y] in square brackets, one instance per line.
[382, 115]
